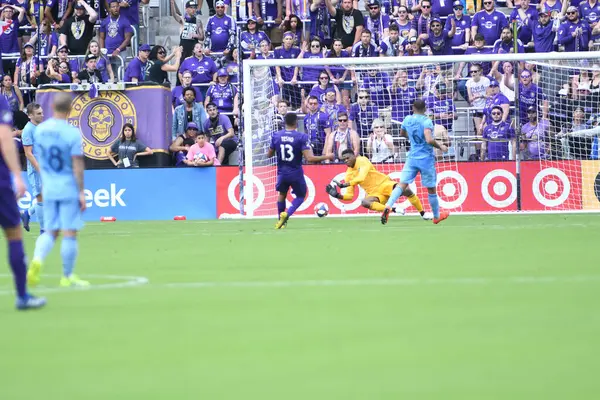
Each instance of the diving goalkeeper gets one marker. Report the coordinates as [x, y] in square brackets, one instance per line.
[378, 186]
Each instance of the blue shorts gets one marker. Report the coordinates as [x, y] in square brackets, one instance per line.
[63, 215]
[9, 211]
[35, 182]
[425, 166]
[297, 183]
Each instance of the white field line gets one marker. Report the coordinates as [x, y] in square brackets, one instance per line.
[122, 282]
[268, 230]
[388, 282]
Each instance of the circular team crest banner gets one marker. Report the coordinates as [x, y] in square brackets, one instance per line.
[100, 120]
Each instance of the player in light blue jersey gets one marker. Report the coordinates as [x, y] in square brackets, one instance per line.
[421, 159]
[61, 167]
[32, 152]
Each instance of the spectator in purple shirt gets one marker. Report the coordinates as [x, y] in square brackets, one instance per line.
[523, 14]
[223, 94]
[543, 33]
[574, 33]
[9, 40]
[136, 70]
[462, 36]
[316, 125]
[420, 24]
[362, 114]
[320, 22]
[536, 134]
[311, 73]
[376, 22]
[220, 35]
[505, 44]
[251, 38]
[221, 133]
[293, 24]
[489, 22]
[115, 34]
[439, 40]
[177, 92]
[320, 89]
[590, 12]
[63, 56]
[203, 69]
[287, 77]
[365, 47]
[497, 136]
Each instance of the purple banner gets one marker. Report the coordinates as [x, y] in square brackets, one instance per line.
[100, 120]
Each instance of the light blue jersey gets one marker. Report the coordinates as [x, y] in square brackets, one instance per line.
[33, 176]
[415, 126]
[421, 158]
[58, 142]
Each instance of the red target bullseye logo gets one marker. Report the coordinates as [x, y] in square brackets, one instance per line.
[499, 188]
[452, 189]
[551, 187]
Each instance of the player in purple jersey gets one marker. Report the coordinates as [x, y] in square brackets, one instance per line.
[10, 220]
[290, 146]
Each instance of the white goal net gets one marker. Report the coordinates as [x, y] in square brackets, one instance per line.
[522, 129]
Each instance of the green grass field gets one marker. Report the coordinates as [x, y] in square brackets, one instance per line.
[480, 307]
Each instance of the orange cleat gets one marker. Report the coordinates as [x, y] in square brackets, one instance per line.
[443, 215]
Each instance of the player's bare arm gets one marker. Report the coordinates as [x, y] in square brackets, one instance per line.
[431, 140]
[311, 158]
[78, 168]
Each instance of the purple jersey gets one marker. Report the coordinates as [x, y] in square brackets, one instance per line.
[320, 93]
[338, 71]
[444, 106]
[135, 69]
[537, 135]
[202, 69]
[311, 73]
[543, 36]
[489, 25]
[498, 151]
[360, 50]
[132, 13]
[441, 7]
[60, 7]
[288, 146]
[497, 100]
[9, 44]
[440, 45]
[487, 66]
[529, 96]
[47, 41]
[524, 34]
[267, 10]
[251, 41]
[301, 8]
[222, 96]
[379, 88]
[315, 125]
[220, 32]
[287, 73]
[578, 43]
[363, 118]
[462, 25]
[332, 111]
[115, 30]
[377, 26]
[5, 119]
[402, 100]
[507, 47]
[591, 13]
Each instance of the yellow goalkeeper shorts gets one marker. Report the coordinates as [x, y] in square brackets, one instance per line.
[383, 191]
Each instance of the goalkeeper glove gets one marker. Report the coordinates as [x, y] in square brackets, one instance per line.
[341, 185]
[332, 191]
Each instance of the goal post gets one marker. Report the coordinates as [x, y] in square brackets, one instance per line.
[541, 156]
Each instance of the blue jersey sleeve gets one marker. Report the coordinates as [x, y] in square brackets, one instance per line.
[76, 144]
[428, 124]
[27, 136]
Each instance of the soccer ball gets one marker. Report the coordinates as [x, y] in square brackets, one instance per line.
[321, 210]
[200, 157]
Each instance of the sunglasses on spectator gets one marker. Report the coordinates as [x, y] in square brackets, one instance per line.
[323, 77]
[496, 113]
[373, 7]
[426, 7]
[402, 12]
[162, 52]
[525, 76]
[436, 26]
[315, 46]
[363, 97]
[342, 119]
[486, 3]
[571, 12]
[474, 71]
[458, 8]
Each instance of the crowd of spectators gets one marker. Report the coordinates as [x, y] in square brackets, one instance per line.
[93, 41]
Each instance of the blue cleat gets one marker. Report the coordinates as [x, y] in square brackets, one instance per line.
[25, 217]
[30, 303]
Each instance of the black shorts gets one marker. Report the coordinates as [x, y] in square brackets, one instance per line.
[229, 145]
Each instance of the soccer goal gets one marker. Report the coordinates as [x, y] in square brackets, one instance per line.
[522, 129]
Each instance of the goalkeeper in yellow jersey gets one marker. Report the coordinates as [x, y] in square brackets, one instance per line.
[378, 186]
